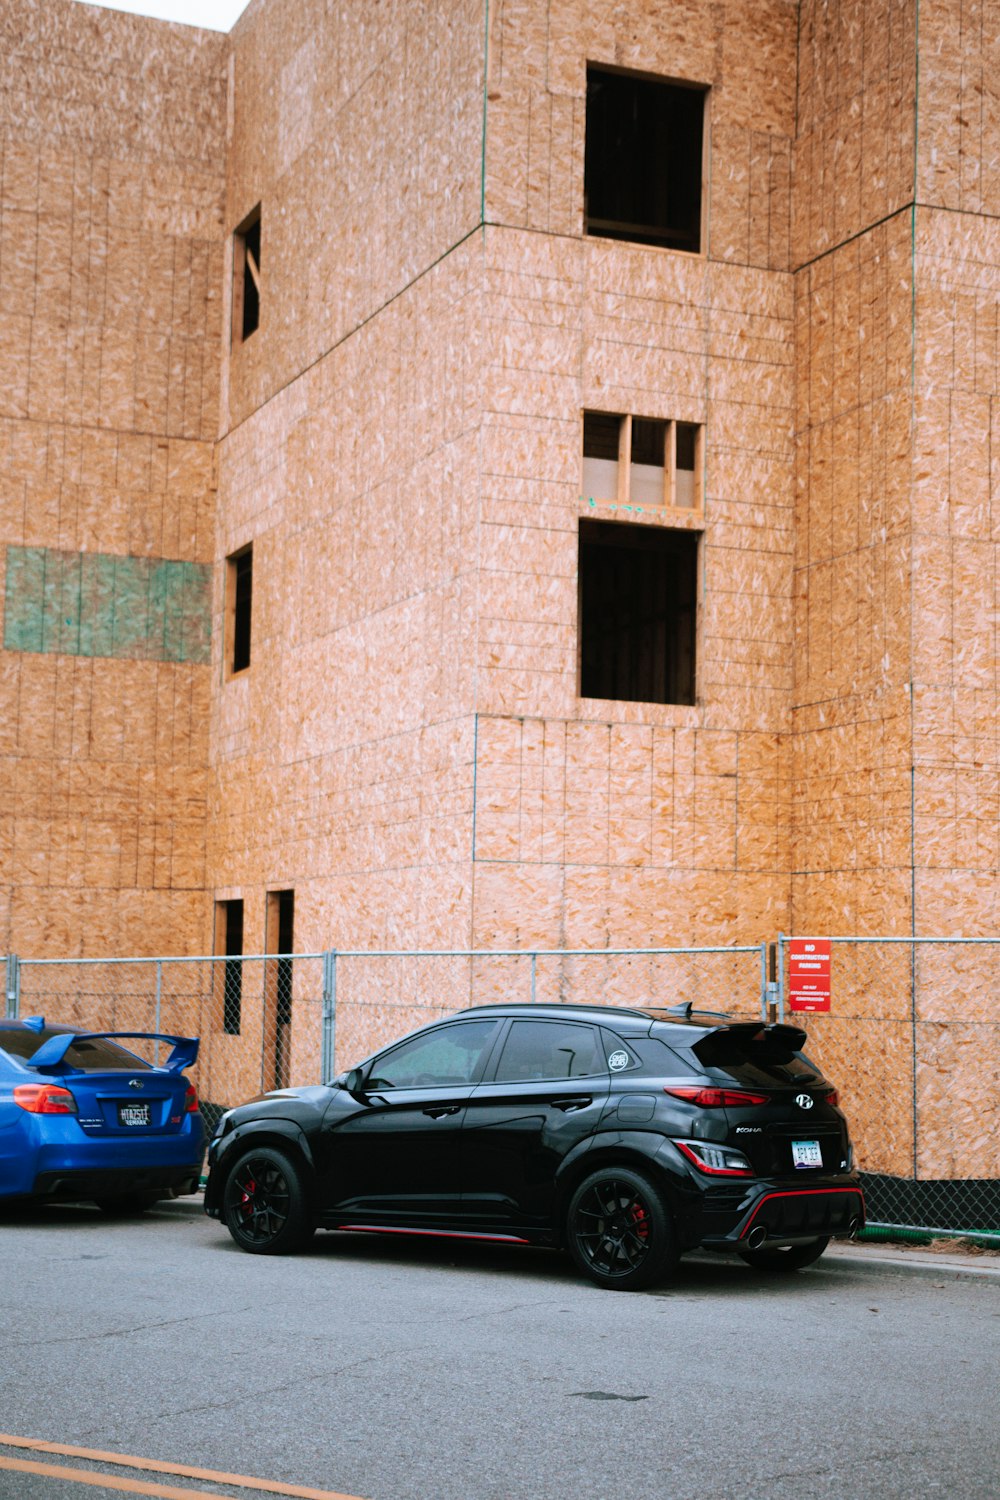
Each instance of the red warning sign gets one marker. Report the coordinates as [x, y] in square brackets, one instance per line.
[809, 974]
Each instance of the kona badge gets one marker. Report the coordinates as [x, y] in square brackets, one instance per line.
[804, 1101]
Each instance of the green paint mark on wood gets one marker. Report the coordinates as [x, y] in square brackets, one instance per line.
[96, 604]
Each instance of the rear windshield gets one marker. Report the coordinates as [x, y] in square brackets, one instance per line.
[749, 1061]
[90, 1055]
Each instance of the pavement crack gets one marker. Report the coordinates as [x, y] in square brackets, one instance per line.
[117, 1333]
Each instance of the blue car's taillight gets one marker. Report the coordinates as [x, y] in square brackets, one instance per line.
[44, 1099]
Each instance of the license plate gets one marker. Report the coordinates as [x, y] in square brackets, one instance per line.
[133, 1114]
[806, 1154]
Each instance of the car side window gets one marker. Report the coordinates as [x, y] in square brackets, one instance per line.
[542, 1050]
[451, 1055]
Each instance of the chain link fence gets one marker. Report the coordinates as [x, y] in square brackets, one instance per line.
[912, 1039]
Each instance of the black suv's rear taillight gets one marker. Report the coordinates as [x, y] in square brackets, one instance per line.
[712, 1098]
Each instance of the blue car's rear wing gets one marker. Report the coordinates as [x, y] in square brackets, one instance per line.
[53, 1052]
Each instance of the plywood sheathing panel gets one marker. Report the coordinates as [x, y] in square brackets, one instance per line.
[360, 134]
[111, 134]
[536, 110]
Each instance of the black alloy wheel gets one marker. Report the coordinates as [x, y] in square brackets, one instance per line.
[618, 1230]
[780, 1259]
[264, 1205]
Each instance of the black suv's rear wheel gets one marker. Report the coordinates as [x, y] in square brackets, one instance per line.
[264, 1203]
[618, 1230]
[782, 1258]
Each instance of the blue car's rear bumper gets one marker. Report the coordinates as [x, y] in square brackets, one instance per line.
[60, 1160]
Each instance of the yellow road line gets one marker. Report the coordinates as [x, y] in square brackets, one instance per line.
[153, 1466]
[106, 1481]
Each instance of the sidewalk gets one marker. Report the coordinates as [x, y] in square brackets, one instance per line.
[918, 1258]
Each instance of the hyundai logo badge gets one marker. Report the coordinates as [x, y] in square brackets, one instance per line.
[804, 1101]
[136, 1083]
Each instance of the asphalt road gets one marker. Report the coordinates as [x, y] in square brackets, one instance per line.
[393, 1370]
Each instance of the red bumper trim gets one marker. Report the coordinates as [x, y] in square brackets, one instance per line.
[803, 1193]
[439, 1234]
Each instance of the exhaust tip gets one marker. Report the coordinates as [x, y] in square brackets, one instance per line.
[756, 1237]
[854, 1226]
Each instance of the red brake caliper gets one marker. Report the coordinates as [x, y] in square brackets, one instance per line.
[640, 1219]
[246, 1202]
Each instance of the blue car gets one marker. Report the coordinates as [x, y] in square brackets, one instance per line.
[81, 1117]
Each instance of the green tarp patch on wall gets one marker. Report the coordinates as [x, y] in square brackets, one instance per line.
[95, 604]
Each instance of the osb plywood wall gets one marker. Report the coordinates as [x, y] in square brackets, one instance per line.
[358, 129]
[605, 822]
[110, 269]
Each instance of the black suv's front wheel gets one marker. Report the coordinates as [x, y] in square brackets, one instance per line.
[264, 1203]
[619, 1231]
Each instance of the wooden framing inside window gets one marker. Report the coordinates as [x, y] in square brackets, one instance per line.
[644, 461]
[246, 277]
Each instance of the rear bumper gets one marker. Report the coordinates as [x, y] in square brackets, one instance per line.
[116, 1182]
[778, 1213]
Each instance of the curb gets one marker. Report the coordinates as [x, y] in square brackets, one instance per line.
[920, 1262]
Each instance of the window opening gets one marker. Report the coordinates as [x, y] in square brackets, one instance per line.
[686, 466]
[646, 473]
[638, 592]
[229, 927]
[646, 461]
[246, 277]
[643, 159]
[278, 979]
[240, 581]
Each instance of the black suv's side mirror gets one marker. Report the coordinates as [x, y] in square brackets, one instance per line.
[354, 1082]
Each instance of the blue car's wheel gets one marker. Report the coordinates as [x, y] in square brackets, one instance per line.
[264, 1203]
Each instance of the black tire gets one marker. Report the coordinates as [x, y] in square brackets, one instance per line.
[127, 1205]
[264, 1203]
[619, 1230]
[779, 1260]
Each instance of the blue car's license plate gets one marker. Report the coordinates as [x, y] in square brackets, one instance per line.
[133, 1114]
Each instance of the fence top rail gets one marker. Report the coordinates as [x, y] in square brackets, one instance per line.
[827, 937]
[221, 958]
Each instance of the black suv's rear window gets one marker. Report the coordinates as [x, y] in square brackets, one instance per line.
[750, 1060]
[90, 1055]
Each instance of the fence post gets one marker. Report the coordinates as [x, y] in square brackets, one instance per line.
[771, 986]
[329, 1024]
[534, 973]
[781, 977]
[159, 1008]
[13, 987]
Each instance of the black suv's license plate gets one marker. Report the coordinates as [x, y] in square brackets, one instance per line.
[133, 1114]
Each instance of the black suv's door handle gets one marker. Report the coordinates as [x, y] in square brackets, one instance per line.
[579, 1101]
[442, 1109]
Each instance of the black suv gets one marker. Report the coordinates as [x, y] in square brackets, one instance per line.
[624, 1136]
